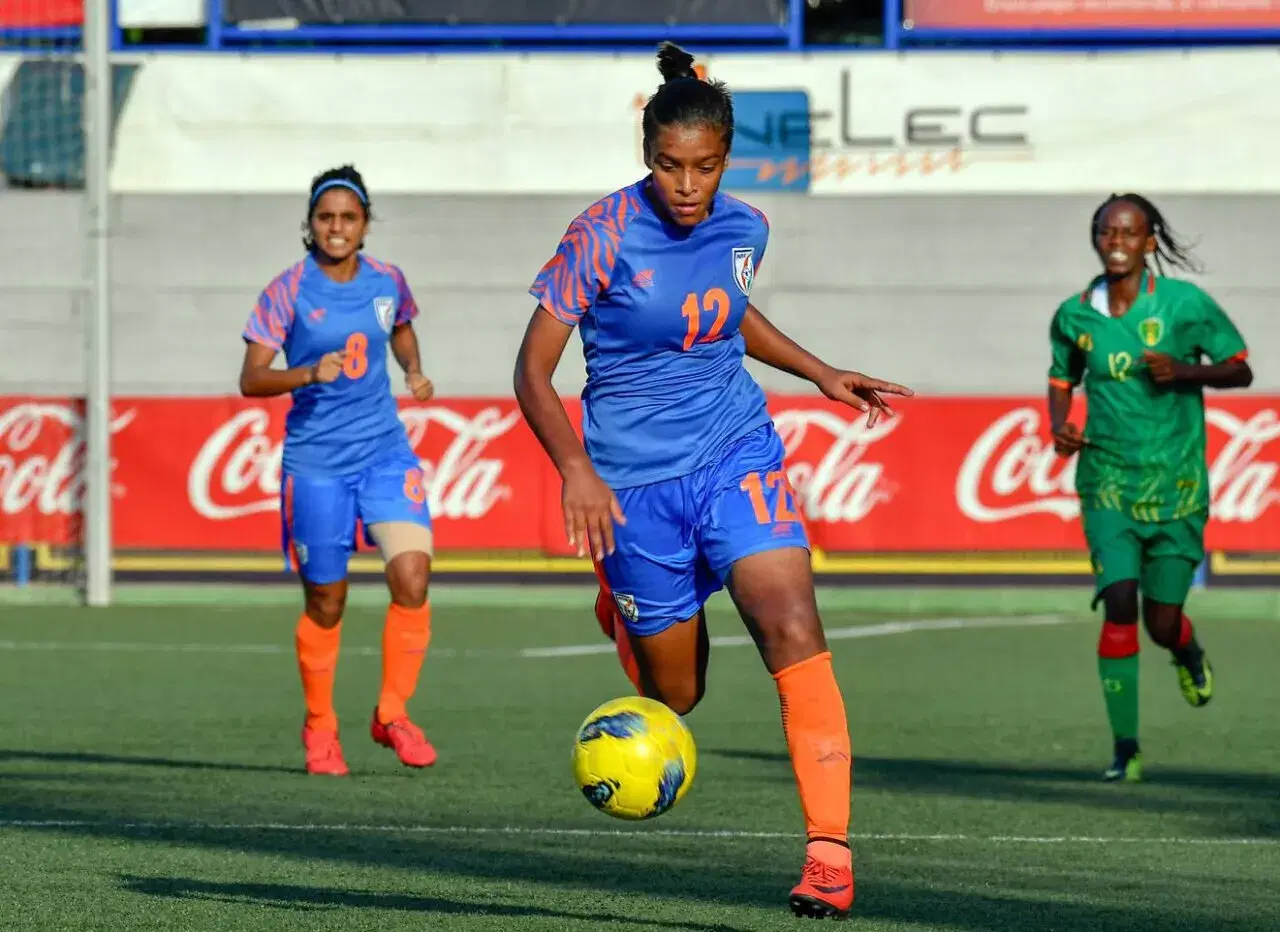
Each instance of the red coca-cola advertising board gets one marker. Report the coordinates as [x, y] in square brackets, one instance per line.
[947, 475]
[26, 14]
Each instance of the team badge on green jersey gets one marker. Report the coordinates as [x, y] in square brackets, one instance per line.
[1085, 342]
[1151, 330]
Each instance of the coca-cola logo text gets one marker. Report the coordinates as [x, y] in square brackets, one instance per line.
[237, 470]
[1011, 459]
[1242, 484]
[42, 457]
[841, 484]
[1011, 470]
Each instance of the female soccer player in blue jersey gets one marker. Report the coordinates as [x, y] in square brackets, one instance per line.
[347, 458]
[681, 488]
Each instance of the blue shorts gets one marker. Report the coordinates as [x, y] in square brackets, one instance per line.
[319, 513]
[683, 535]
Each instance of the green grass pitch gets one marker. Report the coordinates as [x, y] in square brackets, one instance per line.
[150, 774]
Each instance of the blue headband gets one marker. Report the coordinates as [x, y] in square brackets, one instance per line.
[340, 183]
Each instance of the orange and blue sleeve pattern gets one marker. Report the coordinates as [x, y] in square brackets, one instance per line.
[406, 306]
[582, 267]
[272, 317]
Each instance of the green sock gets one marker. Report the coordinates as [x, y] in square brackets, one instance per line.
[1120, 690]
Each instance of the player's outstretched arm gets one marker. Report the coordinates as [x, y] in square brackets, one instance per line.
[259, 380]
[769, 345]
[590, 507]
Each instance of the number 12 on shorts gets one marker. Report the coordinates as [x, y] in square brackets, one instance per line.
[784, 511]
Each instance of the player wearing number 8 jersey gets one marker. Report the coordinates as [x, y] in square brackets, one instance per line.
[1138, 342]
[347, 459]
[680, 489]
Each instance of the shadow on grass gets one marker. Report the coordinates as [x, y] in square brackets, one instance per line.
[1062, 907]
[85, 757]
[704, 882]
[1257, 795]
[295, 897]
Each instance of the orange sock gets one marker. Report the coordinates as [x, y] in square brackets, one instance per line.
[317, 650]
[405, 637]
[818, 738]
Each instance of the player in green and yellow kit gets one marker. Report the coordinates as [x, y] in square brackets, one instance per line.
[1138, 342]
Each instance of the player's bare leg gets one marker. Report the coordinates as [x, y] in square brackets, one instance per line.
[316, 639]
[406, 634]
[672, 665]
[1169, 627]
[1118, 646]
[774, 594]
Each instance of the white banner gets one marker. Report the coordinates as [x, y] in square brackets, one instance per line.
[543, 124]
[163, 14]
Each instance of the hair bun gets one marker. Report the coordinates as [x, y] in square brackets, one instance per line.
[674, 63]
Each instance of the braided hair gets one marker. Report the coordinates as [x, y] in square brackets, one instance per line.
[1172, 251]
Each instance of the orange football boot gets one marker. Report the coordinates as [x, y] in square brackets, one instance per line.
[324, 753]
[406, 739]
[825, 891]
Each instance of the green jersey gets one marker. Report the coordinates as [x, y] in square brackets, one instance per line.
[1144, 452]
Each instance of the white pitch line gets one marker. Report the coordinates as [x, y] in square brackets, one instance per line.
[355, 828]
[883, 629]
[126, 647]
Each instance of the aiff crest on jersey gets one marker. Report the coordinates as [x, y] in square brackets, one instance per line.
[744, 270]
[385, 308]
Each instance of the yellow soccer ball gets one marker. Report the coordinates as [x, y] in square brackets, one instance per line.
[634, 758]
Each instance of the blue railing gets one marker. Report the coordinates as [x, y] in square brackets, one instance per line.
[222, 36]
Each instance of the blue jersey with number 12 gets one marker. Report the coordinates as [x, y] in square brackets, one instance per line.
[658, 307]
[342, 427]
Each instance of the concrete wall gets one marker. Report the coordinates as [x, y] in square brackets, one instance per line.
[946, 294]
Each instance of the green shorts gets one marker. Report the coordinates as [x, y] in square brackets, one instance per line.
[1161, 555]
